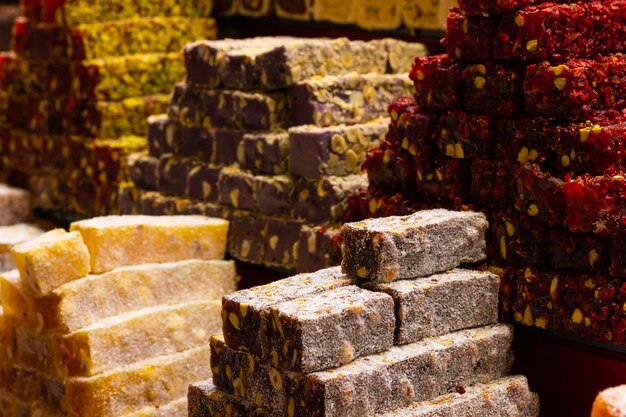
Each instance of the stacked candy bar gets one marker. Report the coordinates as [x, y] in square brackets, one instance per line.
[112, 318]
[410, 15]
[271, 134]
[401, 331]
[523, 119]
[77, 88]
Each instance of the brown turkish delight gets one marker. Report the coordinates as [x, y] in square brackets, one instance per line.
[324, 201]
[319, 247]
[202, 182]
[247, 314]
[206, 400]
[236, 188]
[296, 10]
[274, 194]
[334, 150]
[281, 237]
[442, 303]
[384, 250]
[163, 135]
[255, 8]
[245, 239]
[144, 171]
[264, 153]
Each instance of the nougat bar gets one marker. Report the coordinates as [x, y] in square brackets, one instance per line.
[51, 260]
[349, 322]
[553, 32]
[376, 383]
[442, 303]
[163, 135]
[206, 400]
[417, 15]
[324, 201]
[227, 108]
[245, 240]
[115, 38]
[79, 303]
[508, 396]
[377, 15]
[247, 314]
[72, 12]
[334, 150]
[151, 382]
[421, 244]
[115, 241]
[174, 408]
[335, 11]
[15, 205]
[265, 153]
[351, 98]
[319, 247]
[151, 332]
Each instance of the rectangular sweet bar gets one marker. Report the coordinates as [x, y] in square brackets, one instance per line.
[264, 153]
[202, 183]
[280, 238]
[72, 12]
[315, 152]
[471, 38]
[75, 305]
[206, 400]
[324, 201]
[424, 309]
[247, 314]
[11, 236]
[163, 135]
[99, 40]
[442, 180]
[493, 89]
[15, 205]
[540, 195]
[437, 81]
[295, 10]
[116, 241]
[462, 135]
[492, 182]
[146, 333]
[335, 11]
[391, 168]
[245, 239]
[553, 32]
[376, 15]
[274, 195]
[51, 260]
[144, 171]
[480, 400]
[237, 188]
[225, 108]
[319, 247]
[173, 174]
[518, 239]
[126, 117]
[425, 369]
[218, 146]
[580, 252]
[384, 250]
[401, 54]
[354, 323]
[347, 99]
[159, 380]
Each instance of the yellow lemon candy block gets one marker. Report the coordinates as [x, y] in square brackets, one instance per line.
[51, 260]
[116, 241]
[139, 335]
[174, 408]
[86, 301]
[144, 384]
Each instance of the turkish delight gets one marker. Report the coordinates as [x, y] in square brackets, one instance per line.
[424, 308]
[202, 183]
[385, 250]
[315, 152]
[274, 195]
[470, 37]
[116, 241]
[319, 247]
[376, 15]
[253, 8]
[335, 11]
[15, 205]
[540, 195]
[163, 135]
[437, 81]
[295, 10]
[264, 153]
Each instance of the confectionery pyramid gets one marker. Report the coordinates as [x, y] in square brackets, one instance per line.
[89, 75]
[270, 133]
[522, 119]
[371, 342]
[125, 329]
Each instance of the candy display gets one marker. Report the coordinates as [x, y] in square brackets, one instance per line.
[244, 138]
[292, 347]
[81, 344]
[90, 75]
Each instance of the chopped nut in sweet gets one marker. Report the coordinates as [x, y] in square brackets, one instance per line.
[442, 303]
[163, 135]
[247, 314]
[420, 244]
[155, 381]
[206, 400]
[51, 260]
[319, 248]
[264, 153]
[115, 241]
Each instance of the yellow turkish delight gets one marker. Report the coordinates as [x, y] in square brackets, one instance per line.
[116, 241]
[51, 260]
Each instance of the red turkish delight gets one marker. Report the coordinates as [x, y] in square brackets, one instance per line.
[410, 127]
[578, 252]
[492, 89]
[470, 37]
[442, 180]
[437, 81]
[464, 136]
[539, 195]
[390, 168]
[492, 182]
[518, 238]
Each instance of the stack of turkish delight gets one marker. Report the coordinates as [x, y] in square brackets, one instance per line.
[370, 14]
[400, 332]
[271, 134]
[77, 87]
[523, 119]
[112, 318]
